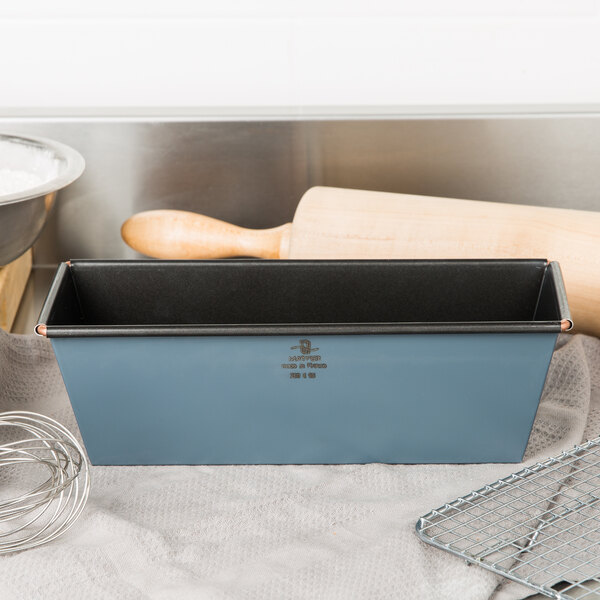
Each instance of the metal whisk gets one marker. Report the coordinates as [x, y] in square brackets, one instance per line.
[50, 508]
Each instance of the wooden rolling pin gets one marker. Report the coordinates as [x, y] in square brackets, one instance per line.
[342, 223]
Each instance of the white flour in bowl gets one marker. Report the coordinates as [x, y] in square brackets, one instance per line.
[16, 180]
[24, 166]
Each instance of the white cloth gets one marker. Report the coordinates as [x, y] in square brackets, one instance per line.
[281, 532]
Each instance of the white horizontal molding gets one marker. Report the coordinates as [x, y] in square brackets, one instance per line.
[286, 113]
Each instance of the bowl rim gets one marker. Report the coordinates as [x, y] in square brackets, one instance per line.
[75, 164]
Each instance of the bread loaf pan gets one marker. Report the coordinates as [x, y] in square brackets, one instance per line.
[250, 361]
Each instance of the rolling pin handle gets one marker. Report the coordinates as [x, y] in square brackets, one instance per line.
[284, 242]
[178, 234]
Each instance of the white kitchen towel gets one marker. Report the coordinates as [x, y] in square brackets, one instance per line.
[280, 532]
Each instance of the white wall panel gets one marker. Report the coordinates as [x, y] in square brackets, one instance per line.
[228, 53]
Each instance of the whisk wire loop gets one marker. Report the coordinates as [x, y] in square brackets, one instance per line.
[49, 509]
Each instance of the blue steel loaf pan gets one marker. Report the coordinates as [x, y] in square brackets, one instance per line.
[254, 361]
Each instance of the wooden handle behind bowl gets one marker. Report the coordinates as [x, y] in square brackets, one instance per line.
[180, 234]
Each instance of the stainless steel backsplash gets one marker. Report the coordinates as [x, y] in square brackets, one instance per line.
[253, 172]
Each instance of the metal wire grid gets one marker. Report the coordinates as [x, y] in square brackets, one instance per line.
[539, 527]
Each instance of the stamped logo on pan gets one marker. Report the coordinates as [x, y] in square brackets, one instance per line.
[306, 363]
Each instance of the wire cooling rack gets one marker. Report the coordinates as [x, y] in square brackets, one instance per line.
[539, 527]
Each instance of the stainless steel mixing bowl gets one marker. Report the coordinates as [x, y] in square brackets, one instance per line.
[23, 214]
